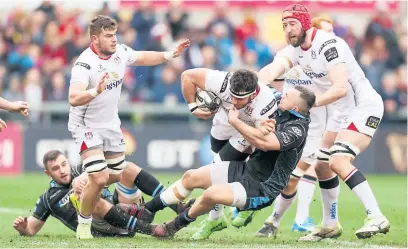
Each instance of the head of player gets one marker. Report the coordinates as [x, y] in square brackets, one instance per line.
[243, 87]
[296, 22]
[102, 30]
[323, 23]
[298, 99]
[57, 167]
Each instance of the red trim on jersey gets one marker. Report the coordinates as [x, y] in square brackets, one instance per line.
[352, 127]
[93, 50]
[349, 174]
[83, 146]
[313, 36]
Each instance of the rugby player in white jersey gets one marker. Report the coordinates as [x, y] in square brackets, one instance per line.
[303, 179]
[95, 87]
[353, 116]
[240, 89]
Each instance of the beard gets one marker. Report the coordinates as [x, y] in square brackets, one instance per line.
[299, 40]
[107, 52]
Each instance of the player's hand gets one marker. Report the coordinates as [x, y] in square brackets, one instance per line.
[267, 126]
[233, 115]
[19, 106]
[203, 114]
[20, 223]
[78, 184]
[102, 83]
[180, 48]
[3, 125]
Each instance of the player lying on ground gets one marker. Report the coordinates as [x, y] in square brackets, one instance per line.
[110, 220]
[94, 93]
[17, 106]
[247, 185]
[303, 179]
[240, 90]
[354, 112]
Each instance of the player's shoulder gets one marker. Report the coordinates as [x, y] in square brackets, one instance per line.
[85, 60]
[326, 40]
[267, 101]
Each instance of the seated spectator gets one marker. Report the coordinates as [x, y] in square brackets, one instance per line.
[58, 90]
[167, 89]
[14, 91]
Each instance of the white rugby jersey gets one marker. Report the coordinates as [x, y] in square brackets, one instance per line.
[296, 77]
[326, 51]
[102, 111]
[263, 107]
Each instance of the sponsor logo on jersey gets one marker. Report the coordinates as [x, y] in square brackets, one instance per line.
[308, 71]
[101, 68]
[268, 107]
[373, 122]
[64, 201]
[297, 131]
[124, 46]
[82, 64]
[298, 82]
[327, 43]
[225, 83]
[313, 54]
[114, 84]
[331, 54]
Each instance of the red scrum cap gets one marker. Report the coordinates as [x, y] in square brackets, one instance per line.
[300, 13]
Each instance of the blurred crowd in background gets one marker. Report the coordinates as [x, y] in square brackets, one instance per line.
[38, 48]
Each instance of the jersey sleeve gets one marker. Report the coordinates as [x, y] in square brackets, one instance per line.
[288, 53]
[80, 73]
[332, 52]
[41, 211]
[131, 54]
[217, 81]
[291, 136]
[77, 170]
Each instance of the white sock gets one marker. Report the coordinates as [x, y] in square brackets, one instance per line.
[366, 196]
[281, 206]
[306, 190]
[330, 198]
[84, 220]
[216, 213]
[169, 197]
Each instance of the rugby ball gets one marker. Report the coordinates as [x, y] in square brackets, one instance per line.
[207, 101]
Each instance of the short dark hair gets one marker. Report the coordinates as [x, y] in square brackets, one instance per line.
[244, 80]
[100, 22]
[51, 156]
[307, 96]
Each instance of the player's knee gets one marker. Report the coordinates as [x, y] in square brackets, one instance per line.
[210, 196]
[189, 178]
[100, 179]
[292, 185]
[321, 168]
[341, 153]
[336, 162]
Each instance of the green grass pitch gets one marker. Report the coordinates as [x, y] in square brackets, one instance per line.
[19, 195]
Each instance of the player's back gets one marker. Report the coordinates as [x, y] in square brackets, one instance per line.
[101, 112]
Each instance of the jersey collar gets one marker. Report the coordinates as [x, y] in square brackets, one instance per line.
[295, 113]
[313, 36]
[93, 50]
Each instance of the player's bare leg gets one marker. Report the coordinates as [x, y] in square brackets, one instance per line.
[98, 176]
[348, 144]
[330, 190]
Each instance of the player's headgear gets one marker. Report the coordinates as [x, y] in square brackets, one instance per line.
[243, 83]
[300, 13]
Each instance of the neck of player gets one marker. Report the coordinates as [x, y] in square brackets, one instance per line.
[308, 40]
[97, 51]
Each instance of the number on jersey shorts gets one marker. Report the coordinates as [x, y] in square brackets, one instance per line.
[365, 117]
[228, 132]
[107, 139]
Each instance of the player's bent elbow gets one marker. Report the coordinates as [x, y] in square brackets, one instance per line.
[72, 100]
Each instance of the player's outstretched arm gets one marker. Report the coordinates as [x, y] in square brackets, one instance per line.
[17, 106]
[28, 226]
[152, 58]
[338, 75]
[272, 71]
[79, 96]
